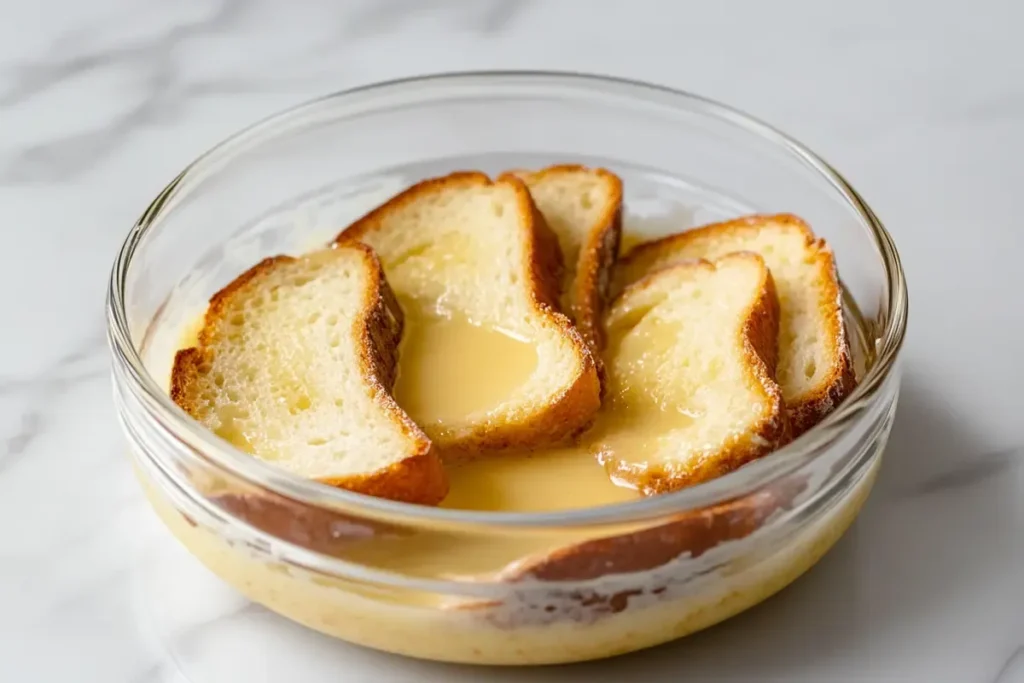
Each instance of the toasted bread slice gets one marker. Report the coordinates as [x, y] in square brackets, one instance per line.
[690, 533]
[691, 365]
[815, 366]
[294, 364]
[462, 245]
[583, 207]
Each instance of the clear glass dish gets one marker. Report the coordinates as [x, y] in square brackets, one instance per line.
[487, 587]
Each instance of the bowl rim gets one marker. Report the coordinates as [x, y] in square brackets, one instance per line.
[752, 477]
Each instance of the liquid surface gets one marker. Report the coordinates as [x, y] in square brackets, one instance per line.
[449, 368]
[414, 624]
[557, 479]
[679, 392]
[337, 610]
[647, 401]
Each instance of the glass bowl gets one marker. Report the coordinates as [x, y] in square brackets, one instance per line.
[489, 587]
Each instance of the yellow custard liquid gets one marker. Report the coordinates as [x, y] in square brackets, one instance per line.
[448, 368]
[553, 479]
[432, 626]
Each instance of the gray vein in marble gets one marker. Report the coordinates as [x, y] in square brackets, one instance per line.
[486, 16]
[155, 672]
[381, 15]
[501, 14]
[1013, 670]
[77, 536]
[1006, 106]
[195, 630]
[86, 594]
[16, 444]
[66, 157]
[971, 471]
[34, 78]
[189, 635]
[84, 363]
[164, 92]
[33, 422]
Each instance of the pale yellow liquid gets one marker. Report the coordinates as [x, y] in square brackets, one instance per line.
[428, 626]
[450, 368]
[553, 479]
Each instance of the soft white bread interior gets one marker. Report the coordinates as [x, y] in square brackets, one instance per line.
[815, 366]
[691, 363]
[468, 247]
[295, 363]
[583, 207]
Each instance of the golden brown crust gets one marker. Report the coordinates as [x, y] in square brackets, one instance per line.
[689, 534]
[644, 564]
[418, 478]
[760, 334]
[592, 282]
[185, 368]
[372, 220]
[808, 409]
[306, 526]
[573, 410]
[547, 265]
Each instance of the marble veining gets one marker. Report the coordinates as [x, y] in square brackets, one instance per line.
[920, 104]
[151, 62]
[971, 472]
[81, 364]
[487, 16]
[1013, 670]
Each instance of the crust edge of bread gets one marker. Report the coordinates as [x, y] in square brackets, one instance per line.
[810, 408]
[592, 286]
[570, 411]
[759, 340]
[417, 478]
[693, 532]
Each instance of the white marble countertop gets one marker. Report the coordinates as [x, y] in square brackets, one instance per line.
[920, 104]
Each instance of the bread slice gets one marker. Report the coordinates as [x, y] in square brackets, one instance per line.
[690, 533]
[294, 364]
[691, 365]
[463, 245]
[815, 366]
[583, 207]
